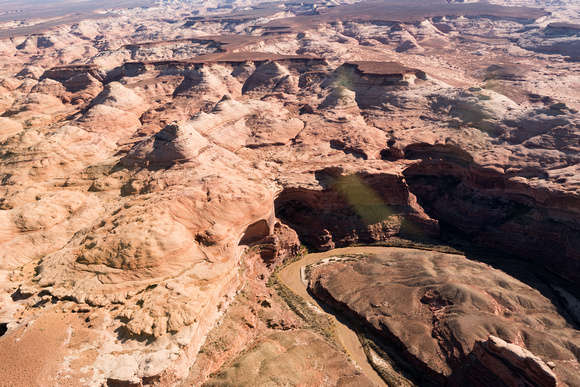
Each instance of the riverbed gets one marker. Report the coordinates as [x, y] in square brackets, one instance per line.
[293, 277]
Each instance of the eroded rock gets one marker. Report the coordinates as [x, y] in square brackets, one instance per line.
[440, 311]
[142, 154]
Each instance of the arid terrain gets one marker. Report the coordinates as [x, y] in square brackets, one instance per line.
[162, 162]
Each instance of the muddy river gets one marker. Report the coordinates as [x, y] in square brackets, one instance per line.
[293, 277]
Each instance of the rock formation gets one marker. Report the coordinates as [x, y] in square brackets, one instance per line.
[158, 162]
[443, 314]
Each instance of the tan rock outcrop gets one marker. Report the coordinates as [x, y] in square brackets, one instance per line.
[178, 142]
[117, 96]
[276, 356]
[9, 128]
[532, 366]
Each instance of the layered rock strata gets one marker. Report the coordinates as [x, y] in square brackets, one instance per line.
[346, 179]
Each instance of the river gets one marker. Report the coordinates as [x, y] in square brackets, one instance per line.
[292, 277]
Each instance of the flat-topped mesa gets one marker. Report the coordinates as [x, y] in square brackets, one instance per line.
[64, 73]
[301, 63]
[232, 15]
[76, 77]
[392, 73]
[231, 58]
[564, 27]
[380, 11]
[136, 46]
[223, 43]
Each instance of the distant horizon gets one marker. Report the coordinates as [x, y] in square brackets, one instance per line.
[37, 9]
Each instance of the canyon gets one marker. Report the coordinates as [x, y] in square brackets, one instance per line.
[161, 162]
[434, 309]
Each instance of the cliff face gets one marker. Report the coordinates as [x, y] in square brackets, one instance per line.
[496, 210]
[357, 208]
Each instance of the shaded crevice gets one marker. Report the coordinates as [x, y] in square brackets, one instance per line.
[255, 233]
[489, 211]
[460, 208]
[3, 329]
[349, 150]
